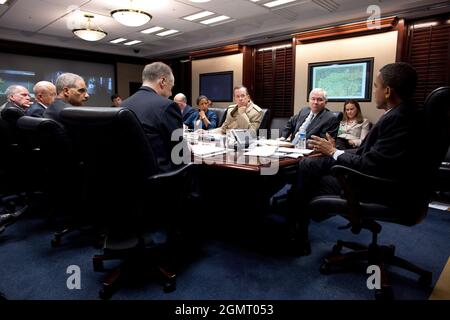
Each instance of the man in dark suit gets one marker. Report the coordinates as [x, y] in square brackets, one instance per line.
[186, 110]
[71, 90]
[315, 119]
[44, 93]
[387, 151]
[116, 101]
[159, 116]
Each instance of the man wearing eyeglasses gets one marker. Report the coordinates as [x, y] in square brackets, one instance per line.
[71, 91]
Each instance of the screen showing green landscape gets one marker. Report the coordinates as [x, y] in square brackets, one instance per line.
[342, 81]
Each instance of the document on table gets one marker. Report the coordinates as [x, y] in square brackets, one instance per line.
[205, 150]
[264, 151]
[294, 150]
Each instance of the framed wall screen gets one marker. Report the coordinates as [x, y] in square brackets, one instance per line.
[217, 86]
[342, 80]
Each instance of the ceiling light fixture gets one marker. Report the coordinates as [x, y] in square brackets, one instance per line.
[277, 3]
[131, 17]
[198, 15]
[215, 19]
[89, 33]
[167, 33]
[152, 30]
[131, 43]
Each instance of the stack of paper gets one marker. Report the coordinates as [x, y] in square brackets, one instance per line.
[204, 150]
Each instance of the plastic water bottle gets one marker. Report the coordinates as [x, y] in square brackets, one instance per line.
[301, 144]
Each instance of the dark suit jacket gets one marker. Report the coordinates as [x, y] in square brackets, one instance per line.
[55, 108]
[35, 110]
[159, 117]
[187, 112]
[387, 151]
[324, 122]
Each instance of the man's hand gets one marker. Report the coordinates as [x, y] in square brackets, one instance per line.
[325, 146]
[241, 110]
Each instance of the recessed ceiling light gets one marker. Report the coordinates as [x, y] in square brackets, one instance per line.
[199, 1]
[167, 32]
[277, 3]
[198, 15]
[151, 30]
[118, 40]
[132, 42]
[215, 19]
[3, 1]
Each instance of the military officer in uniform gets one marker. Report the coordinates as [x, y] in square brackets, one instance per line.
[242, 115]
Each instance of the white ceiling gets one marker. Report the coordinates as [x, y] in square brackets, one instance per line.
[49, 22]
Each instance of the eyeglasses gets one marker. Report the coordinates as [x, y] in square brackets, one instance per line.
[80, 90]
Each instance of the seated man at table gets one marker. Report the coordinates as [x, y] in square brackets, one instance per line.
[242, 115]
[387, 152]
[314, 120]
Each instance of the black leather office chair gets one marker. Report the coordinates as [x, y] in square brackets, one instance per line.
[263, 129]
[123, 186]
[15, 182]
[338, 114]
[365, 214]
[60, 170]
[221, 115]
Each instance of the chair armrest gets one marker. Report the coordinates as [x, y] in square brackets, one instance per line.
[339, 170]
[171, 174]
[352, 182]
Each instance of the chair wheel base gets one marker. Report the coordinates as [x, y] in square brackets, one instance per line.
[55, 242]
[384, 294]
[105, 294]
[336, 249]
[169, 286]
[325, 268]
[98, 265]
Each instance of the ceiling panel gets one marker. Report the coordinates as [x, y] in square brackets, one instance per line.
[51, 21]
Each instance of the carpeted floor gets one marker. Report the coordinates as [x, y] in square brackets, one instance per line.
[228, 265]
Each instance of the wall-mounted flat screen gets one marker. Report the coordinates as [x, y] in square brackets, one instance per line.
[217, 86]
[342, 80]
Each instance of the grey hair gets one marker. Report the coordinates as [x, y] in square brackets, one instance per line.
[182, 96]
[12, 90]
[67, 80]
[319, 91]
[153, 71]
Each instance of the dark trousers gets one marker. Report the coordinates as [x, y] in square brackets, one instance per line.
[314, 179]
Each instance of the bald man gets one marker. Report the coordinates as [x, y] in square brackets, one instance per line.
[186, 110]
[44, 93]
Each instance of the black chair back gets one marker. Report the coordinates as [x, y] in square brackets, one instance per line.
[117, 160]
[59, 167]
[221, 115]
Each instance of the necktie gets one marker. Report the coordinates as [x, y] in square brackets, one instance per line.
[303, 127]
